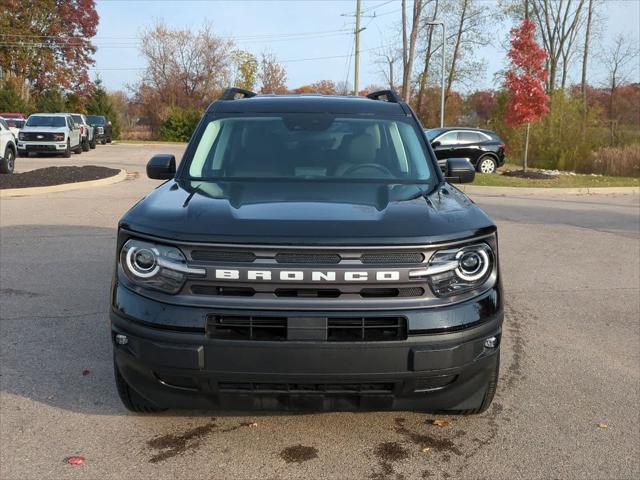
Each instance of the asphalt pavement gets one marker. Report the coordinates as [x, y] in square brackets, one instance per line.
[567, 406]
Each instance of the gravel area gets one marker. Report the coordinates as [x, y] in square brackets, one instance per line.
[55, 176]
[534, 174]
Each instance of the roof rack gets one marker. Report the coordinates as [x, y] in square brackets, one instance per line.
[385, 95]
[232, 93]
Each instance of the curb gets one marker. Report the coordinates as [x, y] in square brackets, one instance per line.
[514, 191]
[64, 187]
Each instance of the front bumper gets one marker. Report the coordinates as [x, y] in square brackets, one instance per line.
[439, 369]
[41, 147]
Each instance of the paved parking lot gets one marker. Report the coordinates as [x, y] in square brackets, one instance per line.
[571, 358]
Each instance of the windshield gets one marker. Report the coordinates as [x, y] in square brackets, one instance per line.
[77, 118]
[41, 121]
[95, 119]
[303, 146]
[14, 123]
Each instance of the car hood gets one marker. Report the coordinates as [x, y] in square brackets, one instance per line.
[306, 213]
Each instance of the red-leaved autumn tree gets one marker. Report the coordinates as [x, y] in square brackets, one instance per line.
[48, 42]
[525, 80]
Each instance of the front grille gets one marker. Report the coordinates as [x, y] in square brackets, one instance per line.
[338, 329]
[391, 292]
[392, 258]
[227, 291]
[340, 388]
[33, 136]
[313, 258]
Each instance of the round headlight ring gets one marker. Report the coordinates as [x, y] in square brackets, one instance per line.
[134, 254]
[480, 271]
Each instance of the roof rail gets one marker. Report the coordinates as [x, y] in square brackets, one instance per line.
[231, 93]
[385, 95]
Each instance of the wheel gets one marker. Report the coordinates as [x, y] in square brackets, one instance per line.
[78, 149]
[9, 160]
[67, 152]
[490, 392]
[103, 141]
[487, 164]
[131, 400]
[109, 140]
[85, 145]
[92, 143]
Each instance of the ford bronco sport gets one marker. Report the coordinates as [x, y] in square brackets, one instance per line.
[307, 253]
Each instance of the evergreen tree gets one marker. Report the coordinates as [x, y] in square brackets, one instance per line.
[10, 99]
[100, 104]
[51, 101]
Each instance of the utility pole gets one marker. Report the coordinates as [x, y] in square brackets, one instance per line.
[356, 71]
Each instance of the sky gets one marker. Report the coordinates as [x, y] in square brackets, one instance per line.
[312, 38]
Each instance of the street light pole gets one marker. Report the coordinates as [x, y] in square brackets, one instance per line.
[444, 39]
[356, 73]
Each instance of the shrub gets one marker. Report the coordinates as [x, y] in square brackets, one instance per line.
[618, 161]
[179, 125]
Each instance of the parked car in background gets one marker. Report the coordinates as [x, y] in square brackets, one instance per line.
[103, 128]
[87, 132]
[7, 148]
[20, 116]
[15, 124]
[484, 149]
[49, 133]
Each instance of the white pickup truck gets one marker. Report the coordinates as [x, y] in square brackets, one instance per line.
[50, 133]
[7, 148]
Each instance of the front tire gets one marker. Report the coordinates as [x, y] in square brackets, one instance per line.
[92, 143]
[8, 162]
[78, 150]
[487, 164]
[67, 152]
[85, 145]
[130, 399]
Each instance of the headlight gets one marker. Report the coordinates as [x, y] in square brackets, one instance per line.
[22, 136]
[58, 137]
[155, 266]
[455, 271]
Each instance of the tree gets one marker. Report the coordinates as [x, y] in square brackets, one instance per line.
[559, 22]
[272, 75]
[409, 45]
[585, 59]
[617, 58]
[525, 80]
[100, 104]
[245, 69]
[51, 101]
[48, 43]
[185, 68]
[428, 51]
[10, 99]
[324, 87]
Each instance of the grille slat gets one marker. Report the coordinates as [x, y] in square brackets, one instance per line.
[392, 258]
[308, 258]
[369, 292]
[223, 256]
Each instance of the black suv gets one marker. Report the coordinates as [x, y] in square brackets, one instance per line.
[483, 148]
[307, 254]
[102, 129]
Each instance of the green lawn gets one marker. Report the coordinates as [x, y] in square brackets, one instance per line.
[562, 181]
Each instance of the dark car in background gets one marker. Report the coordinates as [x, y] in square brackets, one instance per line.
[484, 149]
[102, 128]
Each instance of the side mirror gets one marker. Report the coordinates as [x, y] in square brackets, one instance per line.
[459, 170]
[161, 167]
[435, 144]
